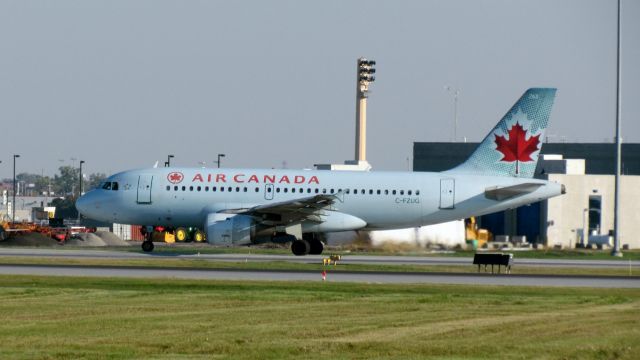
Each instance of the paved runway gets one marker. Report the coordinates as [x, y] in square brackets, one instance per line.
[347, 259]
[360, 277]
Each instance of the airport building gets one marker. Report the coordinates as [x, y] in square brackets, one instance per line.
[584, 215]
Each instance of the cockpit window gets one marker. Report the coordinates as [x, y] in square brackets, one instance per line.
[110, 186]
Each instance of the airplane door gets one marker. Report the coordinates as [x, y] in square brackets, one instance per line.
[447, 193]
[144, 188]
[268, 191]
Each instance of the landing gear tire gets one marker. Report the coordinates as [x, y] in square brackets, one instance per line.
[300, 247]
[147, 246]
[315, 247]
[181, 234]
[199, 236]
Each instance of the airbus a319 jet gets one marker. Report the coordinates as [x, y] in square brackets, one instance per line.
[248, 206]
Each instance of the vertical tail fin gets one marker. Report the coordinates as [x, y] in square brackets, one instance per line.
[513, 146]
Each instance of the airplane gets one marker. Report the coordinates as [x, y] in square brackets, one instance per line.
[249, 206]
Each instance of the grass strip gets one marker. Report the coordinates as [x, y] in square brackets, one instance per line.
[293, 266]
[112, 318]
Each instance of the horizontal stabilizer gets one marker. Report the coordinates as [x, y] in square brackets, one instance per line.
[507, 192]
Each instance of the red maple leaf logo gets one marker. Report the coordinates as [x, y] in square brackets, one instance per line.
[175, 177]
[517, 147]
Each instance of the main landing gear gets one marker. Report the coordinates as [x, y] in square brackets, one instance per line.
[147, 244]
[310, 244]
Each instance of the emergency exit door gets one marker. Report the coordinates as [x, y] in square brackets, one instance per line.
[447, 193]
[145, 182]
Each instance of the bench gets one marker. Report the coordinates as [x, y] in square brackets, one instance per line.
[492, 259]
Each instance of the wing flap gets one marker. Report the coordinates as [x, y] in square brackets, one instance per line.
[287, 212]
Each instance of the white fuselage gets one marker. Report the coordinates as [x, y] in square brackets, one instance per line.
[382, 200]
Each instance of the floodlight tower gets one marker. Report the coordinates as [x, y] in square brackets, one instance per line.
[365, 78]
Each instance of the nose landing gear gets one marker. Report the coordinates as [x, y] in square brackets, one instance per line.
[147, 246]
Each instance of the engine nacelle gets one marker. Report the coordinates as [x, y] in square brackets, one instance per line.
[229, 229]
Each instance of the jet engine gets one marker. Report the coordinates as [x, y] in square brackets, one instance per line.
[226, 229]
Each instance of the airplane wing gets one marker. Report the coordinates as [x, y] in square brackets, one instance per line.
[506, 192]
[289, 212]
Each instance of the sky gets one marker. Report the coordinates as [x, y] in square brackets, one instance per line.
[122, 84]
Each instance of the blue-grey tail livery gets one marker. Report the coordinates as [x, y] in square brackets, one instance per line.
[513, 146]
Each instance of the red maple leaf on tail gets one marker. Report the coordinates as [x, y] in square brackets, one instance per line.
[517, 147]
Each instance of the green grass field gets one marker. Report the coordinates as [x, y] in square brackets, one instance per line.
[94, 318]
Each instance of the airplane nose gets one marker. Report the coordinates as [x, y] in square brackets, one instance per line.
[82, 204]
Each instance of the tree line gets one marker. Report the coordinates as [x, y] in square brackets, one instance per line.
[63, 184]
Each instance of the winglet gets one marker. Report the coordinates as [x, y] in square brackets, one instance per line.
[513, 146]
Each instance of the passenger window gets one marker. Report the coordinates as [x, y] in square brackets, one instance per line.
[332, 191]
[230, 189]
[257, 189]
[190, 188]
[370, 192]
[409, 192]
[238, 189]
[107, 186]
[286, 190]
[393, 192]
[378, 192]
[114, 186]
[317, 190]
[346, 191]
[401, 192]
[245, 189]
[324, 191]
[199, 188]
[301, 190]
[308, 190]
[175, 188]
[184, 188]
[221, 188]
[277, 190]
[213, 188]
[362, 191]
[417, 192]
[386, 192]
[355, 191]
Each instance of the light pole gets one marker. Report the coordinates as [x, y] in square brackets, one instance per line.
[13, 204]
[218, 161]
[365, 77]
[616, 211]
[80, 192]
[168, 163]
[455, 92]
